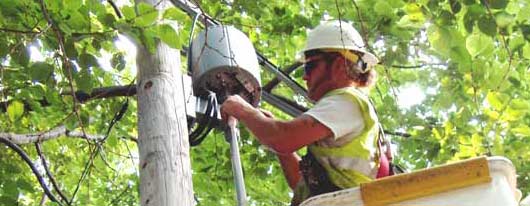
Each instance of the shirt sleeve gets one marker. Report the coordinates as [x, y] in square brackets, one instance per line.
[338, 113]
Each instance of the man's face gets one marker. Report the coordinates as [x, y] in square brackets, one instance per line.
[317, 75]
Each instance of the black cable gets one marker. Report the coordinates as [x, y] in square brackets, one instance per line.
[206, 122]
[203, 123]
[210, 117]
[26, 158]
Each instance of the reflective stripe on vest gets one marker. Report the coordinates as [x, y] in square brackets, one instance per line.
[354, 162]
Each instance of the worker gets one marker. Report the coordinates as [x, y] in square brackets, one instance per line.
[340, 131]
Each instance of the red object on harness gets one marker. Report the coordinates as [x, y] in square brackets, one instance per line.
[384, 166]
[384, 160]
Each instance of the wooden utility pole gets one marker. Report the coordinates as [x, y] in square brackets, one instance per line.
[165, 169]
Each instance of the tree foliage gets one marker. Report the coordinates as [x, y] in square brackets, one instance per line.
[469, 59]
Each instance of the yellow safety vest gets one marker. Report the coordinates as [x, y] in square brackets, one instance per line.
[355, 162]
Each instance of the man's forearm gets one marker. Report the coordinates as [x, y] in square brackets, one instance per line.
[291, 168]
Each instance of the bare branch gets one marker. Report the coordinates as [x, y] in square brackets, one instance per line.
[49, 174]
[418, 66]
[116, 9]
[363, 27]
[104, 92]
[18, 31]
[26, 158]
[401, 134]
[82, 97]
[43, 136]
[88, 166]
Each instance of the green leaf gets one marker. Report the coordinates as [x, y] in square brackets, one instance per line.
[128, 12]
[71, 51]
[169, 36]
[445, 18]
[147, 15]
[455, 6]
[496, 100]
[474, 13]
[174, 14]
[522, 130]
[469, 2]
[10, 188]
[382, 8]
[516, 43]
[77, 21]
[21, 55]
[525, 29]
[40, 71]
[25, 185]
[15, 110]
[504, 19]
[487, 25]
[514, 81]
[84, 81]
[112, 141]
[118, 61]
[107, 20]
[519, 104]
[478, 44]
[497, 4]
[526, 51]
[87, 60]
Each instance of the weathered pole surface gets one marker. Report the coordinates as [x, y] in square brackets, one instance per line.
[165, 169]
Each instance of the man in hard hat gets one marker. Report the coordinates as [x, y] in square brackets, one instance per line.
[341, 129]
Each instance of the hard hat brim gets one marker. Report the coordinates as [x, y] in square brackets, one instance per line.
[367, 57]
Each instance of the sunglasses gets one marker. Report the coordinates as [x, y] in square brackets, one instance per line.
[310, 66]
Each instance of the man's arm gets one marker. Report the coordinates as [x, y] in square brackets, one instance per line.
[291, 168]
[284, 137]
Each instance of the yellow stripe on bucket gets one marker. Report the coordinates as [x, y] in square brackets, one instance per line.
[425, 182]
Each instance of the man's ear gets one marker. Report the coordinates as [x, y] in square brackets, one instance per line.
[340, 66]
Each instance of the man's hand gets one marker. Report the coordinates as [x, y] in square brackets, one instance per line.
[235, 106]
[267, 113]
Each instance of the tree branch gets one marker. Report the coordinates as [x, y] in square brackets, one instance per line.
[401, 134]
[417, 66]
[82, 97]
[49, 174]
[43, 136]
[116, 9]
[26, 158]
[104, 92]
[18, 31]
[65, 61]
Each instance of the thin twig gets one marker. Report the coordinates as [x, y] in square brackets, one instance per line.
[116, 9]
[118, 198]
[86, 170]
[34, 169]
[19, 31]
[363, 27]
[401, 134]
[65, 60]
[505, 44]
[49, 174]
[417, 66]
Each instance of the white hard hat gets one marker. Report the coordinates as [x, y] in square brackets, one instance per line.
[338, 35]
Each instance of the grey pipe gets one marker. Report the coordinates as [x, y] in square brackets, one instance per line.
[232, 136]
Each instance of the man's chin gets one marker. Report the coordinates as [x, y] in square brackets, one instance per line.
[312, 96]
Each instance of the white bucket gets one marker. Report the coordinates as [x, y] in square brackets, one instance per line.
[500, 191]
